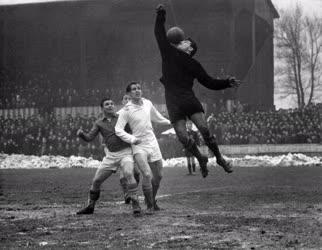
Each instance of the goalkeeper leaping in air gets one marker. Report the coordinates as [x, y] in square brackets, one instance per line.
[179, 69]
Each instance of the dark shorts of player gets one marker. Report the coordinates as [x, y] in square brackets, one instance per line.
[183, 108]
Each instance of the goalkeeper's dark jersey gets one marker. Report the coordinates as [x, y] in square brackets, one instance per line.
[179, 71]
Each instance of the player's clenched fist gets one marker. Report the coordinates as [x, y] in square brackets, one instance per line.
[234, 83]
[160, 8]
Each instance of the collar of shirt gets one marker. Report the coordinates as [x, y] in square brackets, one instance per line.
[108, 117]
[133, 106]
[141, 102]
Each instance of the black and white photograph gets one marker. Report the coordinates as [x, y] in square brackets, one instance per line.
[161, 124]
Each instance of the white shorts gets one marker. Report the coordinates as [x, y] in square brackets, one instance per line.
[152, 151]
[114, 160]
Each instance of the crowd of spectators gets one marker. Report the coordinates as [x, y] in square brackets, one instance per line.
[50, 135]
[53, 135]
[268, 127]
[39, 91]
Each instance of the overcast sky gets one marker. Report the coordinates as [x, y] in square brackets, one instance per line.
[309, 6]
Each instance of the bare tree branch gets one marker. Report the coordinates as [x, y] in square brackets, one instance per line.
[298, 46]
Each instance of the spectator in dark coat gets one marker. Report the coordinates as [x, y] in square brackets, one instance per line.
[190, 157]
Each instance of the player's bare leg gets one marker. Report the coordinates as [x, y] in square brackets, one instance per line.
[124, 186]
[100, 176]
[141, 160]
[136, 174]
[199, 120]
[156, 168]
[190, 145]
[124, 183]
[132, 187]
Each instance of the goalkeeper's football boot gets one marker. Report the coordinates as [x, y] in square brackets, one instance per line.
[225, 165]
[86, 210]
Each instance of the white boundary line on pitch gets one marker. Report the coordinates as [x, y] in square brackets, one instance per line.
[141, 198]
[191, 192]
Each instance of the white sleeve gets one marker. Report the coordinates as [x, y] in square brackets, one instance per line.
[106, 151]
[120, 131]
[157, 117]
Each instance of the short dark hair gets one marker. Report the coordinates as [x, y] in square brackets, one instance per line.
[104, 100]
[129, 86]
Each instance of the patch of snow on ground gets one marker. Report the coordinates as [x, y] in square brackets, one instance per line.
[35, 162]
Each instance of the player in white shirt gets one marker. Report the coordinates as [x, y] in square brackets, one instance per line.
[123, 180]
[139, 113]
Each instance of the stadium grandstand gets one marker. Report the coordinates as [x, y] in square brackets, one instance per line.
[60, 58]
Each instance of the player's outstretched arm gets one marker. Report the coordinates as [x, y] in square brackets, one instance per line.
[210, 82]
[159, 29]
[157, 117]
[90, 135]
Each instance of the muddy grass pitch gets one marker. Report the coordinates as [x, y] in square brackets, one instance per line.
[253, 208]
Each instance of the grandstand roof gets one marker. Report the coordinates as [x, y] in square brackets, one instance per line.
[273, 9]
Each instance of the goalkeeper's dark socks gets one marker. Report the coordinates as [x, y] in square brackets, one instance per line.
[94, 195]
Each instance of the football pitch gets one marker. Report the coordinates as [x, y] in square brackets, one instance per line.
[253, 208]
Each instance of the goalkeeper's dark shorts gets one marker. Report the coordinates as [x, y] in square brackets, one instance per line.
[183, 108]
